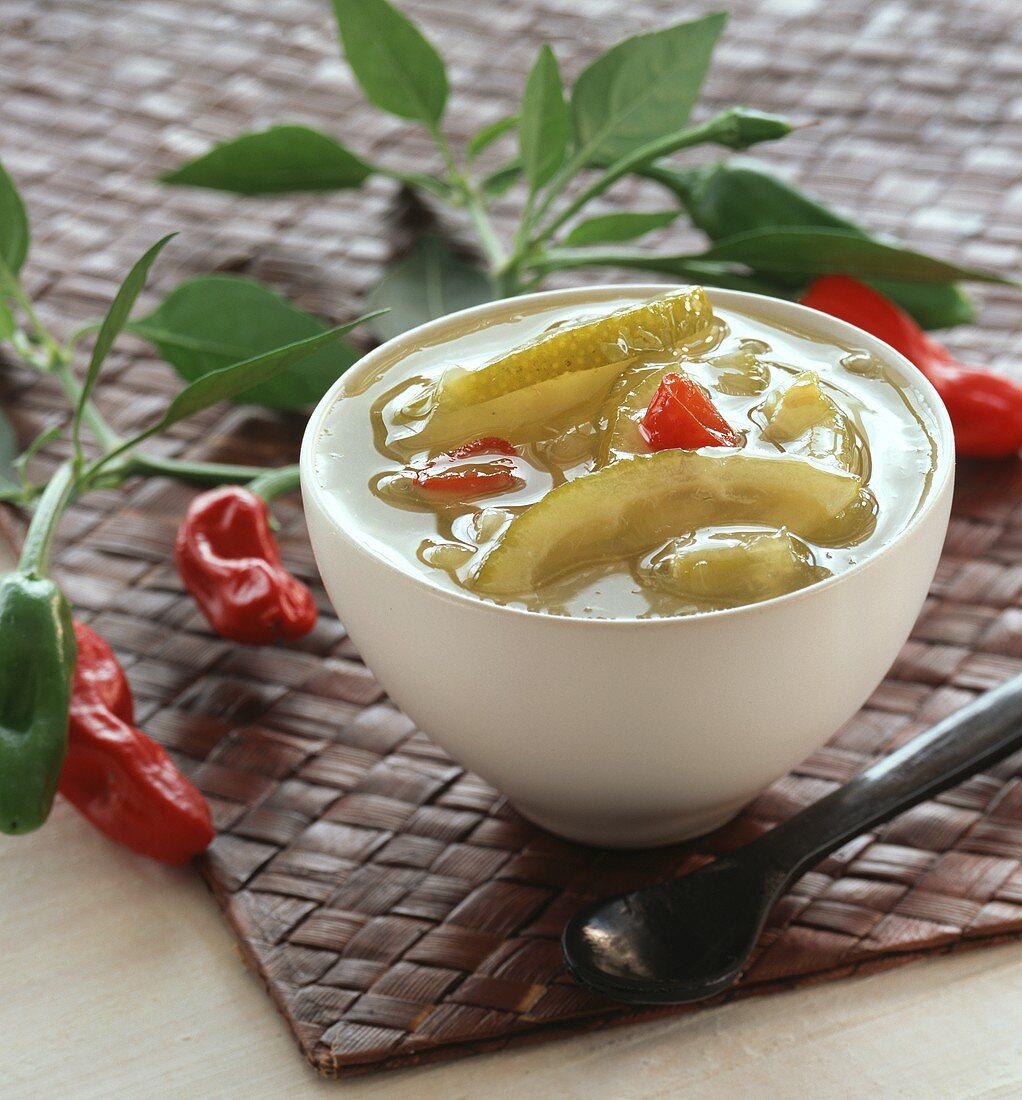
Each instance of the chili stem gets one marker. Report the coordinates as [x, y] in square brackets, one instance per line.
[651, 151]
[271, 484]
[202, 473]
[35, 553]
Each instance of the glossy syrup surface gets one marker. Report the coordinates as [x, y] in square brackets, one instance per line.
[373, 442]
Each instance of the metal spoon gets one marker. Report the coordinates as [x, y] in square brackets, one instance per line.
[691, 938]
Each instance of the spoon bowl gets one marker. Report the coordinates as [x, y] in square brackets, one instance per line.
[679, 942]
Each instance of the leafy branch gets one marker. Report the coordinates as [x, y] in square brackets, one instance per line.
[626, 114]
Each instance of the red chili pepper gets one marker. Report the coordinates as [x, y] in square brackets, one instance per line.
[449, 473]
[229, 560]
[985, 406]
[122, 781]
[681, 415]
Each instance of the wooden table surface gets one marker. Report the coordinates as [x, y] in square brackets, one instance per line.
[121, 980]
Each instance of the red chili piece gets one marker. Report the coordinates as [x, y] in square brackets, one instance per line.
[449, 473]
[120, 779]
[229, 560]
[682, 416]
[985, 406]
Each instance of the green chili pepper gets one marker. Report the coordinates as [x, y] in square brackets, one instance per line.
[37, 660]
[37, 664]
[733, 197]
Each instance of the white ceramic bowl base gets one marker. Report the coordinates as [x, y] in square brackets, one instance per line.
[632, 733]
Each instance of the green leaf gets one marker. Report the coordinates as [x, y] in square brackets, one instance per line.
[642, 88]
[9, 480]
[14, 233]
[397, 67]
[544, 126]
[738, 196]
[502, 179]
[485, 137]
[626, 226]
[431, 281]
[212, 321]
[7, 323]
[732, 197]
[274, 162]
[239, 378]
[113, 323]
[804, 250]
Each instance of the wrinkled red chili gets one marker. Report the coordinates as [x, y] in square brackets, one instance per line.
[116, 776]
[985, 406]
[229, 560]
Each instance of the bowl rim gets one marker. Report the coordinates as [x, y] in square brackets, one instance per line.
[771, 310]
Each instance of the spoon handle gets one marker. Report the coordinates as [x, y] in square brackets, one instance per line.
[978, 735]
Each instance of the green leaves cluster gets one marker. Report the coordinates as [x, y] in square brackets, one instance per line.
[627, 113]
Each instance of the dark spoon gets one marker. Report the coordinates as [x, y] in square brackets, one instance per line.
[690, 938]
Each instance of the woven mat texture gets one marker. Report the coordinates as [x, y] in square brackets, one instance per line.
[395, 907]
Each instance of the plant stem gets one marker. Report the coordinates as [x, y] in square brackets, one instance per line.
[450, 162]
[201, 473]
[488, 239]
[475, 204]
[15, 290]
[107, 437]
[553, 189]
[271, 484]
[35, 553]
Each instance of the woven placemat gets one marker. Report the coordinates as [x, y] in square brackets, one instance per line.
[396, 909]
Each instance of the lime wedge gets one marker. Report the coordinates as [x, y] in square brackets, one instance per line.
[522, 416]
[736, 567]
[676, 324]
[633, 505]
[803, 419]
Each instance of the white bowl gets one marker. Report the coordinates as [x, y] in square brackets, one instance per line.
[630, 732]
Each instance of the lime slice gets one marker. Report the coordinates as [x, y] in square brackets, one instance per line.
[736, 567]
[803, 419]
[679, 323]
[633, 505]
